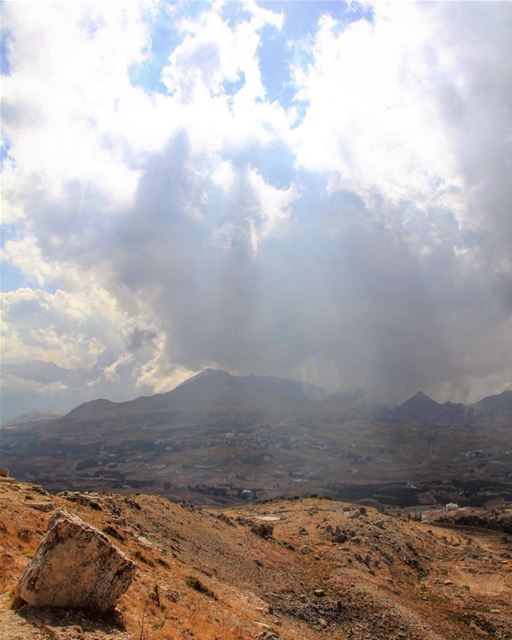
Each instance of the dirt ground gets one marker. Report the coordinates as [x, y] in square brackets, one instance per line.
[302, 569]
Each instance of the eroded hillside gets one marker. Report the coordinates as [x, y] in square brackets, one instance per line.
[284, 569]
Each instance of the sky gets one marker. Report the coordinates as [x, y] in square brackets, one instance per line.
[315, 190]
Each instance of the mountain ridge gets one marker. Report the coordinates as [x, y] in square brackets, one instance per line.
[218, 437]
[219, 390]
[210, 386]
[422, 409]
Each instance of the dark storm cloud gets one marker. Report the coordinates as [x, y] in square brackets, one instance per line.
[388, 308]
[478, 106]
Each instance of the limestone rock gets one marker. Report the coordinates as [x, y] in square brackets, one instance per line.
[42, 506]
[75, 566]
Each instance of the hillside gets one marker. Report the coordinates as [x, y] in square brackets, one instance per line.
[325, 570]
[30, 419]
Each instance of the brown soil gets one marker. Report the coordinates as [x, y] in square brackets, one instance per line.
[301, 570]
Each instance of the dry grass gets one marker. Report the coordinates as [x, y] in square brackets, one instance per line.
[205, 577]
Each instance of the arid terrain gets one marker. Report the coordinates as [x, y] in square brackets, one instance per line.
[277, 513]
[290, 569]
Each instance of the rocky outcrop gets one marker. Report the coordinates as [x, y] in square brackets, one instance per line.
[75, 566]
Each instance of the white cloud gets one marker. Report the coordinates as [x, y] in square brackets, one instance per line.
[60, 327]
[215, 74]
[372, 119]
[69, 77]
[274, 204]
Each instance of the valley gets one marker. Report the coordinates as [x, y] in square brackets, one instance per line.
[221, 439]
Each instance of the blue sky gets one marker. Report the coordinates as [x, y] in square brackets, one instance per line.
[275, 49]
[318, 190]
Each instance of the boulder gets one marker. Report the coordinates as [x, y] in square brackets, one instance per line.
[4, 473]
[75, 566]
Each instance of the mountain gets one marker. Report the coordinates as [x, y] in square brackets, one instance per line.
[218, 438]
[418, 408]
[46, 385]
[492, 412]
[499, 405]
[30, 418]
[211, 391]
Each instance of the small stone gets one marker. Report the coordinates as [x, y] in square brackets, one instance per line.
[268, 635]
[25, 535]
[319, 593]
[42, 506]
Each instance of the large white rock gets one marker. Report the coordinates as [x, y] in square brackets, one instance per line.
[75, 566]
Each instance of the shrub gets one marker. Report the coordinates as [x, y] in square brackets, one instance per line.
[154, 596]
[197, 585]
[25, 535]
[114, 533]
[163, 563]
[143, 559]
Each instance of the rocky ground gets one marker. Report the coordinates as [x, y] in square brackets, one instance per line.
[494, 518]
[290, 569]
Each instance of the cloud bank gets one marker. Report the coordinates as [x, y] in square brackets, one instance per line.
[191, 185]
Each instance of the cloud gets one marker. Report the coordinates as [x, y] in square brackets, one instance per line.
[68, 75]
[358, 238]
[413, 106]
[372, 118]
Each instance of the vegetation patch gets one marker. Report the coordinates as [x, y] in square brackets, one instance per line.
[163, 563]
[140, 556]
[113, 533]
[154, 596]
[197, 585]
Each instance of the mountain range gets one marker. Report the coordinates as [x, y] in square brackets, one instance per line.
[217, 438]
[214, 392]
[218, 392]
[492, 411]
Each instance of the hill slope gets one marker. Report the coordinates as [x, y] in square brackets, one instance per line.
[378, 576]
